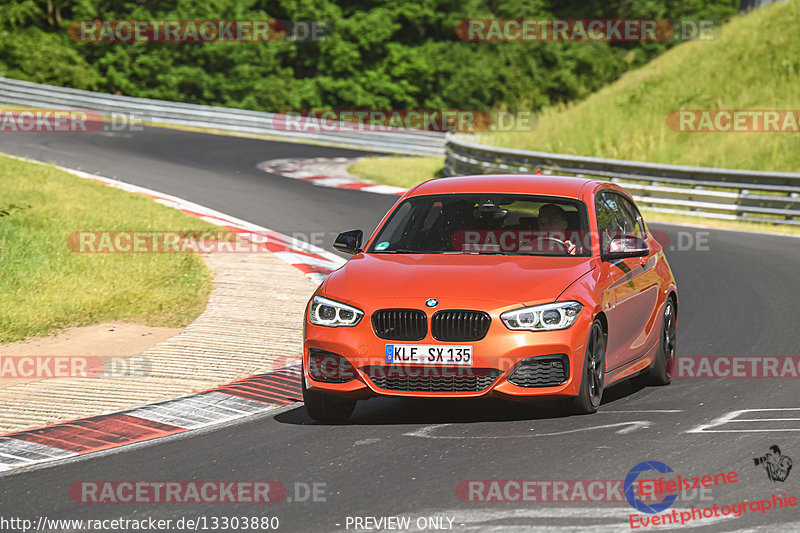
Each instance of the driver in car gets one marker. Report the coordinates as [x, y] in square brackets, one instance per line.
[553, 223]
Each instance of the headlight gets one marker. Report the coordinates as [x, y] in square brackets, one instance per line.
[324, 312]
[548, 317]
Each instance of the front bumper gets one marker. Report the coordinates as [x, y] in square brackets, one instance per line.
[499, 353]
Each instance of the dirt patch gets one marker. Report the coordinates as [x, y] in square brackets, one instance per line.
[109, 340]
[253, 323]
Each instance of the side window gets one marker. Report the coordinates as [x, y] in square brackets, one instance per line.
[616, 215]
[633, 214]
[606, 219]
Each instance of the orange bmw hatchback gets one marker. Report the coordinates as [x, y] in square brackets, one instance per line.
[520, 287]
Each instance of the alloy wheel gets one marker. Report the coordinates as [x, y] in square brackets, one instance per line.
[596, 367]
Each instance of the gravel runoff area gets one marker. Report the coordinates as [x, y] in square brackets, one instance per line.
[253, 324]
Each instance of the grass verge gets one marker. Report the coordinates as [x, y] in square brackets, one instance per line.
[753, 65]
[398, 171]
[45, 287]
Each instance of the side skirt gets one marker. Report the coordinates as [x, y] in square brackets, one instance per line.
[632, 368]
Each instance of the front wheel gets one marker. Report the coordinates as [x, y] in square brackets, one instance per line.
[659, 373]
[326, 408]
[594, 372]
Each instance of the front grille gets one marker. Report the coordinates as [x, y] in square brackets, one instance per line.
[431, 379]
[329, 367]
[460, 325]
[400, 324]
[545, 371]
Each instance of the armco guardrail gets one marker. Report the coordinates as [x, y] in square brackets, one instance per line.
[398, 141]
[698, 191]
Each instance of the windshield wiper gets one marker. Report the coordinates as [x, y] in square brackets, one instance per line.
[400, 251]
[487, 252]
[449, 252]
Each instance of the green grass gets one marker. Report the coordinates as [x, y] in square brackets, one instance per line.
[755, 64]
[45, 287]
[398, 171]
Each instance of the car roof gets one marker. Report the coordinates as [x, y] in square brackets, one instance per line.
[566, 186]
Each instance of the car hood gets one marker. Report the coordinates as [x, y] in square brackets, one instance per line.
[499, 278]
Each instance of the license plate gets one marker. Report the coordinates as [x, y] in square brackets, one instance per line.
[428, 354]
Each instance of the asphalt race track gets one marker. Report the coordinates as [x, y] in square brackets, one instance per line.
[738, 297]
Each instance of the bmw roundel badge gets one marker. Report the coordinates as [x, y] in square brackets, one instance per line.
[432, 302]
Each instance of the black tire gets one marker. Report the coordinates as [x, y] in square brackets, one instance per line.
[326, 408]
[658, 375]
[593, 373]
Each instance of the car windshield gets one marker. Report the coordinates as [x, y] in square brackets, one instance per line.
[486, 224]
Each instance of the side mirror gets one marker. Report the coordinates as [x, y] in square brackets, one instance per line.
[622, 246]
[349, 242]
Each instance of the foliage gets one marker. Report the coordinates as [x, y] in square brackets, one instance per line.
[753, 65]
[382, 54]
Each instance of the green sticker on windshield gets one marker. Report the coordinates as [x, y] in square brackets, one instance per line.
[382, 245]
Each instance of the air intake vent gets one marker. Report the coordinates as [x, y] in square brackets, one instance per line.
[431, 379]
[544, 371]
[330, 367]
